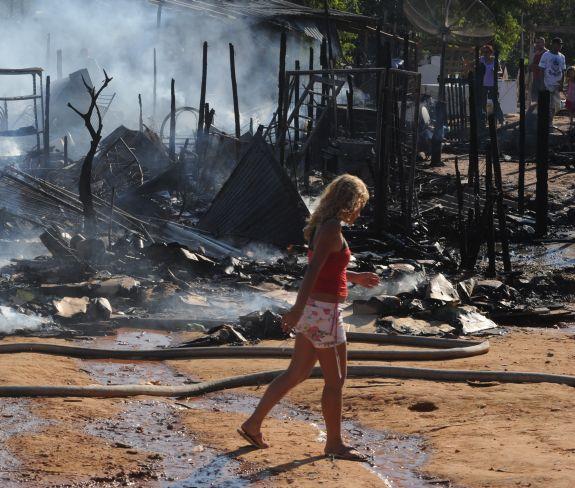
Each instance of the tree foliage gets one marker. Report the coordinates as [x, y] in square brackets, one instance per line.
[507, 28]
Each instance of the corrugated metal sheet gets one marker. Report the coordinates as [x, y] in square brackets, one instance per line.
[265, 9]
[258, 202]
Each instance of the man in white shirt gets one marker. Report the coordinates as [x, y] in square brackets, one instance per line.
[553, 66]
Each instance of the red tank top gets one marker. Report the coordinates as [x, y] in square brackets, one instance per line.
[332, 278]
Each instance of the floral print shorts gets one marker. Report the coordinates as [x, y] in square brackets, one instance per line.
[322, 324]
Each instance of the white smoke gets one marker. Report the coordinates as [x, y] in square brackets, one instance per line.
[12, 321]
[120, 36]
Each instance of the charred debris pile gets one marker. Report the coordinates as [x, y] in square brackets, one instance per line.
[205, 233]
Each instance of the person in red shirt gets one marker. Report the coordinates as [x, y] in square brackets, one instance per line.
[537, 75]
[316, 315]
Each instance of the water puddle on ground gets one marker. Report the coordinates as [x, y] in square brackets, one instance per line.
[395, 458]
[552, 255]
[17, 419]
[155, 426]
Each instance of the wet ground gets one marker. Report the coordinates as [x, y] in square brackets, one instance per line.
[181, 461]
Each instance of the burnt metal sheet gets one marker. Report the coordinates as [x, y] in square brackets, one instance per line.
[258, 202]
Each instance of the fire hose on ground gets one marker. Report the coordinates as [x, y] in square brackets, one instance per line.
[437, 349]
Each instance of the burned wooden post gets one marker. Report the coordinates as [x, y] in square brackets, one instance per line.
[141, 118]
[202, 107]
[501, 214]
[155, 89]
[406, 63]
[521, 178]
[496, 106]
[297, 106]
[172, 145]
[59, 64]
[491, 269]
[460, 222]
[65, 150]
[310, 99]
[46, 129]
[111, 221]
[84, 185]
[473, 170]
[324, 66]
[282, 95]
[331, 58]
[281, 81]
[309, 126]
[542, 168]
[235, 97]
[350, 115]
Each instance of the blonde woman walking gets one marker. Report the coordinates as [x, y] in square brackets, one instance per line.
[316, 315]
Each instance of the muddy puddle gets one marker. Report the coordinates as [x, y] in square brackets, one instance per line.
[552, 255]
[17, 419]
[395, 458]
[154, 426]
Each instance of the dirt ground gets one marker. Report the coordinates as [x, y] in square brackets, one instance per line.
[489, 436]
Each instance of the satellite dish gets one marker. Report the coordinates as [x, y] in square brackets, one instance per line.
[462, 21]
[459, 21]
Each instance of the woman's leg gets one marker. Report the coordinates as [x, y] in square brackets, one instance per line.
[331, 399]
[302, 361]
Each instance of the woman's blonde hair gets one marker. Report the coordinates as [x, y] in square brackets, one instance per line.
[342, 196]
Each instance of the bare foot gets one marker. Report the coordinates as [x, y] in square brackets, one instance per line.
[347, 453]
[253, 436]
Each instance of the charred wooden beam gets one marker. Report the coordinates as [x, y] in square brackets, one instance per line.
[203, 87]
[172, 146]
[501, 214]
[542, 168]
[521, 177]
[235, 98]
[46, 130]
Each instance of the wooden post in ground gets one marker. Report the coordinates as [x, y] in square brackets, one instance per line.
[202, 107]
[309, 126]
[324, 66]
[350, 115]
[59, 64]
[155, 92]
[460, 223]
[236, 101]
[473, 170]
[496, 106]
[406, 61]
[46, 129]
[65, 150]
[141, 119]
[172, 147]
[296, 98]
[491, 269]
[501, 214]
[541, 196]
[282, 95]
[111, 222]
[521, 178]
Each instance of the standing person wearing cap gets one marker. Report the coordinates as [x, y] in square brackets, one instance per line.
[552, 65]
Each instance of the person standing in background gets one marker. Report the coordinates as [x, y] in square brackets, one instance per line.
[537, 76]
[489, 78]
[552, 66]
